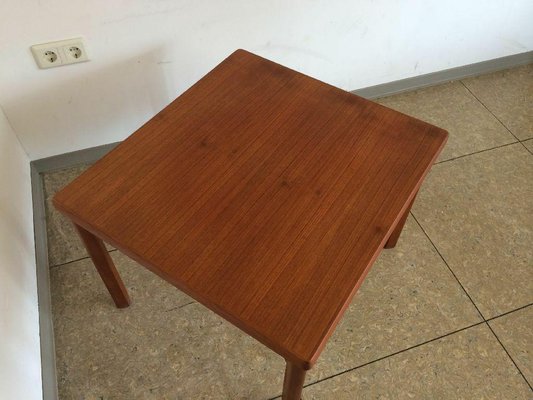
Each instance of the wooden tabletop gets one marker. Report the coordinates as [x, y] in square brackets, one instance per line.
[262, 193]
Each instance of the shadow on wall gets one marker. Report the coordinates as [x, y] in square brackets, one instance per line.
[98, 106]
[16, 241]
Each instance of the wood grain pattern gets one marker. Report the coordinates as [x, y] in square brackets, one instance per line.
[264, 194]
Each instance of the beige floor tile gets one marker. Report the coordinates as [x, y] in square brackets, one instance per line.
[529, 144]
[515, 331]
[509, 95]
[408, 297]
[452, 107]
[478, 212]
[161, 347]
[63, 242]
[467, 365]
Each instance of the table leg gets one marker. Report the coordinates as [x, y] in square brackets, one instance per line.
[395, 235]
[293, 382]
[105, 267]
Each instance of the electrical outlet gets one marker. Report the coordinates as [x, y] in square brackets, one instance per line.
[62, 52]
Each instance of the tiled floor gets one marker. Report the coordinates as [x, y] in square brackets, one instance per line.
[447, 314]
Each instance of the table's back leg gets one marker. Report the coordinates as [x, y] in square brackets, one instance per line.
[105, 267]
[395, 235]
[293, 382]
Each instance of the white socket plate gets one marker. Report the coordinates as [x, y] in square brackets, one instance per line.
[61, 49]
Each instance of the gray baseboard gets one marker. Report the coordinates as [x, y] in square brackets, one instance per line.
[90, 155]
[447, 75]
[46, 328]
[85, 156]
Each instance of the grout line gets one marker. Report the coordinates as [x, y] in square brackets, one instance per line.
[477, 152]
[522, 143]
[76, 260]
[509, 355]
[509, 312]
[445, 262]
[389, 355]
[488, 109]
[494, 115]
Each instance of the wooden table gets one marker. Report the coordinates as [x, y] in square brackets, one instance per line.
[264, 194]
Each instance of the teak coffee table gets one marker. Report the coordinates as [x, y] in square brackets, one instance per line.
[262, 193]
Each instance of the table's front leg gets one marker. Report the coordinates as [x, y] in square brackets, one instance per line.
[293, 382]
[105, 267]
[395, 235]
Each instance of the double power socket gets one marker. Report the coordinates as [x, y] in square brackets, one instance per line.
[62, 52]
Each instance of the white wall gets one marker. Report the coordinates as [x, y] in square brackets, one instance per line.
[146, 52]
[20, 361]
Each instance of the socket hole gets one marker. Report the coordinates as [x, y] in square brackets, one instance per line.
[75, 51]
[50, 56]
